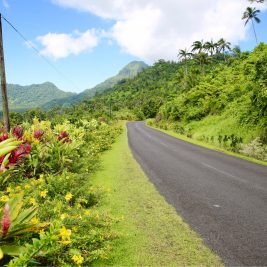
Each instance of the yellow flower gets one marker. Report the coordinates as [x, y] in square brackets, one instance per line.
[43, 193]
[4, 198]
[63, 216]
[65, 235]
[69, 196]
[33, 201]
[34, 220]
[41, 232]
[87, 212]
[27, 186]
[78, 259]
[9, 189]
[18, 188]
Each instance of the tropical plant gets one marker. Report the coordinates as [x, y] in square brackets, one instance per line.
[210, 47]
[202, 59]
[184, 55]
[223, 46]
[251, 14]
[16, 222]
[198, 46]
[236, 51]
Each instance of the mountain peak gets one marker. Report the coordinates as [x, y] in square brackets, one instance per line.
[132, 69]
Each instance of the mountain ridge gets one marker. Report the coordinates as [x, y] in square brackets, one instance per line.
[47, 95]
[128, 71]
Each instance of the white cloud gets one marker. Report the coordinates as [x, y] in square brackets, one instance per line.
[5, 3]
[61, 45]
[153, 29]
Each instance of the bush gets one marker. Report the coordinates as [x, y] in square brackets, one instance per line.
[255, 149]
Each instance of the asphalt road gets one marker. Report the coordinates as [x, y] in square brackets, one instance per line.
[223, 198]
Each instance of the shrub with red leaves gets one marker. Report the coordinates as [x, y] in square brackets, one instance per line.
[22, 151]
[64, 136]
[6, 221]
[17, 132]
[3, 137]
[38, 134]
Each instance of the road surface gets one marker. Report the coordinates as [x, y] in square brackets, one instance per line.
[223, 198]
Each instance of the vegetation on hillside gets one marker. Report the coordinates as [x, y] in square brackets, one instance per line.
[32, 96]
[215, 95]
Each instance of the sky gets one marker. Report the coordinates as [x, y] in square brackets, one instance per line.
[87, 41]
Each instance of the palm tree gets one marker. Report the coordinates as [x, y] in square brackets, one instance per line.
[223, 45]
[184, 55]
[203, 59]
[198, 46]
[250, 15]
[210, 47]
[236, 51]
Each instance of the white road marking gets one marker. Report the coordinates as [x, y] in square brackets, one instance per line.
[216, 206]
[225, 173]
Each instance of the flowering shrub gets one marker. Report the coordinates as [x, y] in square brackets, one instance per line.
[48, 166]
[255, 149]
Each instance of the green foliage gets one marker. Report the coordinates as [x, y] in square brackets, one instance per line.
[33, 96]
[204, 96]
[54, 178]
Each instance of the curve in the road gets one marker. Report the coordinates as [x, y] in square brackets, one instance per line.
[223, 198]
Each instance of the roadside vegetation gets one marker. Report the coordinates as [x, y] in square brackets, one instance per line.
[48, 206]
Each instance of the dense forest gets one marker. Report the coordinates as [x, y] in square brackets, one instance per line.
[219, 98]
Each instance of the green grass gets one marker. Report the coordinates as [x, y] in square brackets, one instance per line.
[151, 233]
[209, 146]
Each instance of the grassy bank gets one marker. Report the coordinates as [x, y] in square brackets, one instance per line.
[209, 146]
[151, 232]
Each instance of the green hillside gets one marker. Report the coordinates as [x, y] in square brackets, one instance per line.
[129, 71]
[221, 101]
[35, 95]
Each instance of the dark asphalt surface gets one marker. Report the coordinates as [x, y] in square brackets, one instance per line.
[223, 198]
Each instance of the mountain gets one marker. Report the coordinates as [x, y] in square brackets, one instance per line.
[32, 96]
[129, 71]
[47, 95]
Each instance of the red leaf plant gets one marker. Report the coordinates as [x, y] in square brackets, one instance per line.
[6, 222]
[4, 137]
[38, 134]
[64, 136]
[22, 151]
[17, 132]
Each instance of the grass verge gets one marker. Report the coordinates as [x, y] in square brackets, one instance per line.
[209, 146]
[151, 233]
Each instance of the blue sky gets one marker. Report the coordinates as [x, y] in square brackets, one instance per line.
[91, 40]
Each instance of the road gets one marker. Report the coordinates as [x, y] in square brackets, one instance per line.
[223, 198]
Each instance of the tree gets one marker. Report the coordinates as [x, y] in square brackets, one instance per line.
[236, 51]
[198, 46]
[184, 55]
[203, 59]
[210, 47]
[250, 15]
[223, 45]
